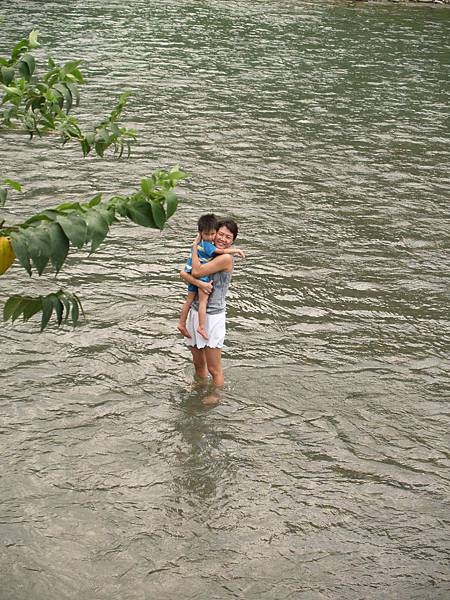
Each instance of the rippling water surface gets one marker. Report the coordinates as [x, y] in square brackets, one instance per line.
[321, 127]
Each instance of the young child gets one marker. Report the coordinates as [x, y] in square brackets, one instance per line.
[207, 229]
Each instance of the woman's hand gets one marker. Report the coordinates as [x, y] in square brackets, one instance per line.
[206, 286]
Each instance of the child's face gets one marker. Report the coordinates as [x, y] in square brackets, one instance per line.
[208, 236]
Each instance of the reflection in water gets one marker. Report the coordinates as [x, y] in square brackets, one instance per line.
[203, 462]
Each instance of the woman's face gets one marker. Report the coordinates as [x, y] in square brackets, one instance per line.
[224, 238]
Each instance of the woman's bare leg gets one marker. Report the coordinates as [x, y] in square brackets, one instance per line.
[214, 365]
[199, 360]
[213, 359]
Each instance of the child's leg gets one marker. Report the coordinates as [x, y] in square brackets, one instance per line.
[184, 313]
[202, 303]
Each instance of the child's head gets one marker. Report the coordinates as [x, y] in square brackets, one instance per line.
[207, 227]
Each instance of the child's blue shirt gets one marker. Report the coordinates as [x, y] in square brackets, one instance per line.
[205, 251]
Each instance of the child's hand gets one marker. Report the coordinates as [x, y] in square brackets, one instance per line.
[197, 240]
[240, 253]
[206, 286]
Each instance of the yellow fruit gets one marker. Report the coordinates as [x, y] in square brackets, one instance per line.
[7, 255]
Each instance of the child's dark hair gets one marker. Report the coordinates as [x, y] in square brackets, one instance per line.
[207, 223]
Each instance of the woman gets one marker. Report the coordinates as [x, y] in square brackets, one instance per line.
[207, 354]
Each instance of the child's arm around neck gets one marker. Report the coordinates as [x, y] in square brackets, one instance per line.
[231, 250]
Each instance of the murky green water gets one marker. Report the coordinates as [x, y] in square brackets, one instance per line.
[321, 127]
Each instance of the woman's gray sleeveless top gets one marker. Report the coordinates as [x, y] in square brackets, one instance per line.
[216, 300]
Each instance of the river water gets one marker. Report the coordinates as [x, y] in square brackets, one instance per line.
[323, 473]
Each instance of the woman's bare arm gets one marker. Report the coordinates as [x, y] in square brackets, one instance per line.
[220, 263]
[206, 286]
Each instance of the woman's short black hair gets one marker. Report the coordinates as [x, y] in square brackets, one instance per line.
[208, 223]
[229, 224]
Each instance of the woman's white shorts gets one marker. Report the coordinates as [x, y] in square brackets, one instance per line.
[215, 328]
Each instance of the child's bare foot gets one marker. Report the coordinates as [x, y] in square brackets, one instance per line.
[202, 332]
[183, 330]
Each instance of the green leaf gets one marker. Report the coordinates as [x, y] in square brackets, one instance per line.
[66, 304]
[171, 203]
[19, 245]
[33, 306]
[45, 215]
[119, 204]
[61, 303]
[71, 66]
[140, 212]
[62, 89]
[147, 186]
[59, 246]
[42, 88]
[19, 48]
[38, 242]
[14, 184]
[79, 304]
[116, 131]
[57, 98]
[47, 310]
[86, 148]
[68, 97]
[123, 98]
[90, 138]
[31, 63]
[12, 91]
[159, 214]
[21, 305]
[99, 148]
[102, 135]
[7, 75]
[107, 213]
[97, 228]
[75, 228]
[18, 309]
[10, 306]
[75, 93]
[75, 311]
[77, 74]
[95, 200]
[176, 175]
[72, 130]
[48, 122]
[57, 307]
[24, 70]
